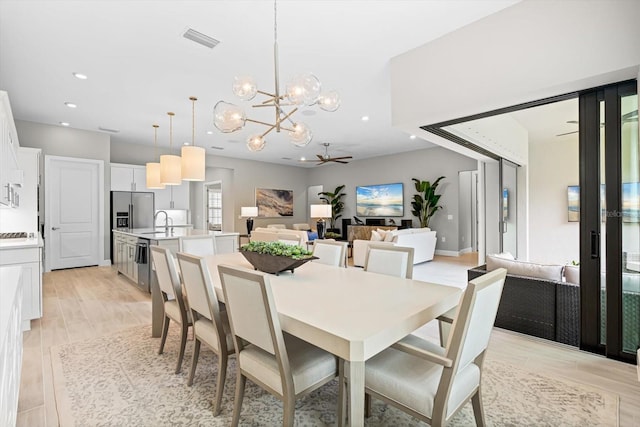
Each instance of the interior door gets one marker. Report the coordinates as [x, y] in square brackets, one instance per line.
[72, 211]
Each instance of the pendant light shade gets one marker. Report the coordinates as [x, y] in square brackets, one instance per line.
[153, 169]
[193, 158]
[170, 165]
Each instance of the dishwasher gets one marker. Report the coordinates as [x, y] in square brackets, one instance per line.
[143, 262]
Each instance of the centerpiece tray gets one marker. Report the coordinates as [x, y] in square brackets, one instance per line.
[274, 263]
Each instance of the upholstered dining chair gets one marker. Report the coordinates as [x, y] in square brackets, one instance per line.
[391, 260]
[330, 252]
[430, 382]
[175, 307]
[282, 364]
[289, 239]
[197, 245]
[210, 325]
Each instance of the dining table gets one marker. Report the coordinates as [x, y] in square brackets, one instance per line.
[349, 312]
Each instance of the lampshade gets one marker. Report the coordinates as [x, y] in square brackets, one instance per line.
[153, 177]
[321, 211]
[248, 211]
[170, 170]
[193, 164]
[170, 165]
[193, 158]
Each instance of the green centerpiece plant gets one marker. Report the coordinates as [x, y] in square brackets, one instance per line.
[277, 249]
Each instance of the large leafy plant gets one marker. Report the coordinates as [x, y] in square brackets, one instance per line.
[334, 198]
[425, 203]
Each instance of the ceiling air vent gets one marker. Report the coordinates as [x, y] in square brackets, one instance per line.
[200, 38]
[108, 130]
[215, 147]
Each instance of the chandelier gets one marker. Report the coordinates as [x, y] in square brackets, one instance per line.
[303, 89]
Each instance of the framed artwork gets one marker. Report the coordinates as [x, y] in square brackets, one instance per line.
[631, 202]
[573, 203]
[505, 204]
[380, 200]
[274, 203]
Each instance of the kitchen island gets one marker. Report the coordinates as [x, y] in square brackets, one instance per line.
[132, 258]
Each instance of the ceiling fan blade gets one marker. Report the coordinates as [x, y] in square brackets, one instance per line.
[340, 161]
[342, 158]
[567, 133]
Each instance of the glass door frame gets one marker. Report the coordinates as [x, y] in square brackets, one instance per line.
[591, 217]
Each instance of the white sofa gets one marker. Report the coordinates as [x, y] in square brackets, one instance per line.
[271, 234]
[422, 240]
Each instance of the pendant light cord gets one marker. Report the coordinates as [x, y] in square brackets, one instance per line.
[275, 21]
[170, 114]
[155, 141]
[193, 120]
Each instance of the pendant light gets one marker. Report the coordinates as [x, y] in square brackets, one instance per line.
[193, 158]
[170, 165]
[153, 169]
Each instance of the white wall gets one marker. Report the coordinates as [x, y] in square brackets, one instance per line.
[529, 51]
[552, 239]
[427, 164]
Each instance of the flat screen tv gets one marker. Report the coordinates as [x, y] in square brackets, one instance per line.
[380, 200]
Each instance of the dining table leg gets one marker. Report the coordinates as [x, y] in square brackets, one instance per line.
[355, 391]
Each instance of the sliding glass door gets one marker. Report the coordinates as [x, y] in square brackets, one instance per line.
[610, 221]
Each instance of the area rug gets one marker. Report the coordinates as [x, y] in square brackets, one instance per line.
[120, 380]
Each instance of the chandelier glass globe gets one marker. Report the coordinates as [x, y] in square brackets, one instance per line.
[228, 117]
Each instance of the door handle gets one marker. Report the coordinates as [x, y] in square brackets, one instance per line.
[55, 228]
[595, 244]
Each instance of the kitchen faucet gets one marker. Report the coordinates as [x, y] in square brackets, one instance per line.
[166, 220]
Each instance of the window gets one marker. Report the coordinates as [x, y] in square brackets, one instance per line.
[214, 208]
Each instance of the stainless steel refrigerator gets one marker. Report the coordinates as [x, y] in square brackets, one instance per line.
[130, 210]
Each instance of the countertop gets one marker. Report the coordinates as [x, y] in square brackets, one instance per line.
[160, 234]
[34, 242]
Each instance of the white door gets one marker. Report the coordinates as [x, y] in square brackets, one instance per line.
[73, 209]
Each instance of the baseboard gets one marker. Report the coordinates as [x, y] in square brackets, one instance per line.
[465, 250]
[105, 263]
[447, 253]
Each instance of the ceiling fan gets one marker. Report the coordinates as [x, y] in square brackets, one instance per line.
[631, 116]
[324, 158]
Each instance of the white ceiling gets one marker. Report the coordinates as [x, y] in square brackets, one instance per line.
[140, 67]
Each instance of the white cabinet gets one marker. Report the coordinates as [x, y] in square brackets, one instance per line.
[173, 197]
[8, 154]
[227, 243]
[30, 259]
[125, 253]
[128, 177]
[10, 344]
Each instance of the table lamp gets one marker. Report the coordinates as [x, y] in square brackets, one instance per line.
[321, 212]
[249, 212]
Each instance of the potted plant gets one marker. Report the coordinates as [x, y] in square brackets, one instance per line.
[425, 203]
[275, 257]
[334, 198]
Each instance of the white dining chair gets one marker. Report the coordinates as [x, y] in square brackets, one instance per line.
[197, 245]
[391, 260]
[330, 252]
[433, 383]
[174, 305]
[210, 325]
[282, 364]
[289, 239]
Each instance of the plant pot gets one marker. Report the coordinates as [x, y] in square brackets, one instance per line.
[274, 264]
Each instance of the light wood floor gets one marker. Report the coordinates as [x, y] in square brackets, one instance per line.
[87, 302]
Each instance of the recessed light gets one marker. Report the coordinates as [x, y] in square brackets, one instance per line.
[365, 118]
[303, 159]
[412, 137]
[80, 76]
[215, 147]
[185, 143]
[209, 132]
[70, 105]
[64, 123]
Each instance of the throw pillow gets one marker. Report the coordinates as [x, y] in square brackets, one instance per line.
[382, 233]
[504, 255]
[528, 269]
[375, 236]
[572, 274]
